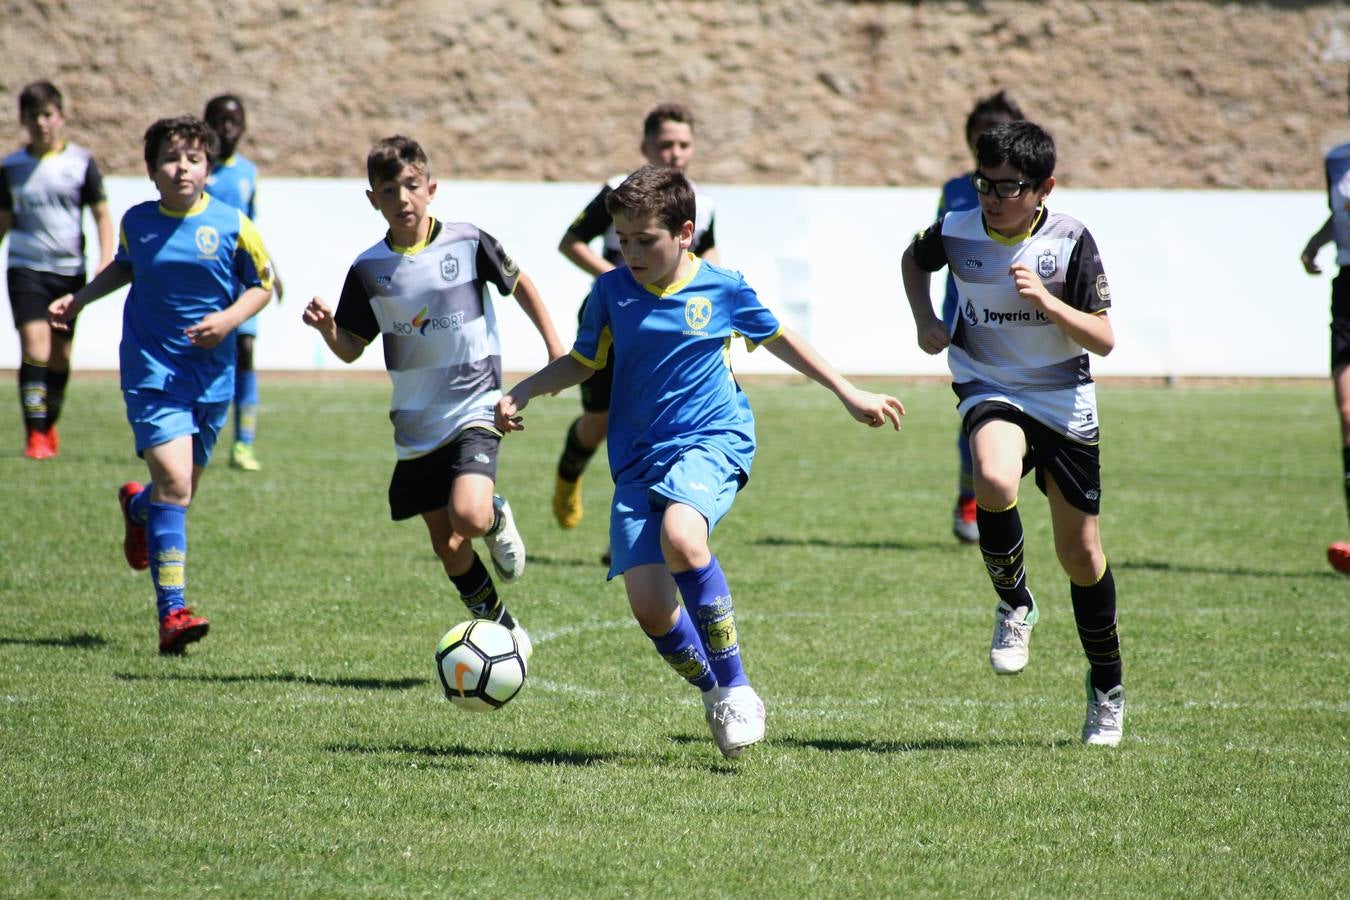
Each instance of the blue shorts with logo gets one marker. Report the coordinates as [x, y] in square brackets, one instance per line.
[701, 477]
[157, 418]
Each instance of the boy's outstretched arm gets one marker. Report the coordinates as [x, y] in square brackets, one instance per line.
[1309, 256]
[563, 372]
[871, 409]
[62, 310]
[932, 333]
[580, 254]
[107, 238]
[527, 295]
[345, 345]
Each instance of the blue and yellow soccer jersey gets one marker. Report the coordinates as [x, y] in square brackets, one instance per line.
[673, 385]
[1338, 195]
[235, 181]
[184, 266]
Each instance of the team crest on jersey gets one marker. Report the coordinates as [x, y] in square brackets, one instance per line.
[698, 313]
[449, 267]
[208, 240]
[1103, 288]
[1046, 264]
[509, 267]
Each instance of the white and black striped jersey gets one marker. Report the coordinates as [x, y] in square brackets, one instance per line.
[47, 196]
[1002, 347]
[441, 342]
[595, 221]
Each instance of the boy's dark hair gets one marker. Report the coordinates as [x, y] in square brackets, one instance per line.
[218, 103]
[1026, 146]
[388, 157]
[992, 110]
[186, 128]
[654, 192]
[666, 112]
[37, 95]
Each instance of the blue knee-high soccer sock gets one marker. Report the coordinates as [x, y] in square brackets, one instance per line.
[965, 483]
[708, 600]
[138, 507]
[245, 405]
[1094, 611]
[1001, 546]
[683, 649]
[166, 535]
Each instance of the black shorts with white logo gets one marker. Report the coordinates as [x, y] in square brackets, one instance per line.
[1076, 467]
[31, 292]
[1340, 318]
[422, 485]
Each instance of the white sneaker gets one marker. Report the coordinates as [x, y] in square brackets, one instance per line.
[1011, 646]
[505, 545]
[523, 643]
[737, 720]
[1105, 722]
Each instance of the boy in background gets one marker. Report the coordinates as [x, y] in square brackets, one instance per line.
[234, 180]
[423, 290]
[681, 436]
[197, 270]
[43, 191]
[958, 196]
[667, 140]
[1033, 301]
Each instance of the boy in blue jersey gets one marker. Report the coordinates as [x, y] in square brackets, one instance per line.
[44, 189]
[681, 435]
[234, 179]
[1033, 301]
[423, 290]
[958, 196]
[197, 270]
[1337, 228]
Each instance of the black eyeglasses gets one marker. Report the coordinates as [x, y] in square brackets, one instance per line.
[1007, 188]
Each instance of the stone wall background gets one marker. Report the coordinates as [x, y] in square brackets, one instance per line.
[1167, 94]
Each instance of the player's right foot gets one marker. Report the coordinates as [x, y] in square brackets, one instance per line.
[38, 445]
[243, 458]
[567, 502]
[1105, 722]
[737, 720]
[1011, 646]
[963, 521]
[505, 545]
[1338, 554]
[180, 628]
[134, 546]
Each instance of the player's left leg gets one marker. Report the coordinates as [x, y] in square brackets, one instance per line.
[242, 455]
[1338, 553]
[965, 527]
[172, 478]
[35, 350]
[58, 376]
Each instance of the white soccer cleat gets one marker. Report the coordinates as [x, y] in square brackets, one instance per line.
[505, 545]
[737, 720]
[1105, 722]
[1011, 646]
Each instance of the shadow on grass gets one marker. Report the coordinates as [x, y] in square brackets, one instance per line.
[81, 641]
[551, 757]
[1157, 565]
[591, 561]
[852, 545]
[842, 745]
[363, 684]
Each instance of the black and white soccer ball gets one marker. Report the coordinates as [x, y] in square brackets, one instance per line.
[480, 665]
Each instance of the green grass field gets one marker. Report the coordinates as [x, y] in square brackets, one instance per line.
[304, 748]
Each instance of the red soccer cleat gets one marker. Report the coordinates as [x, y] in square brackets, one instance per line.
[39, 445]
[1338, 554]
[133, 537]
[180, 628]
[54, 439]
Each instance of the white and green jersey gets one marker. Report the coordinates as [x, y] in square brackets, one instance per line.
[441, 342]
[47, 195]
[1002, 347]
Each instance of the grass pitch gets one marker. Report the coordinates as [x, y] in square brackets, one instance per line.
[304, 749]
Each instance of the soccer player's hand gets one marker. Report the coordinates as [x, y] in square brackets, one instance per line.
[318, 315]
[873, 409]
[61, 311]
[210, 331]
[1030, 288]
[1309, 260]
[507, 413]
[933, 336]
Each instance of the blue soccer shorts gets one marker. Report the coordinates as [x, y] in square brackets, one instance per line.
[157, 418]
[701, 477]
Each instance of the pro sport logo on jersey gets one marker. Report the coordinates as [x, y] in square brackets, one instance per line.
[208, 242]
[422, 323]
[697, 315]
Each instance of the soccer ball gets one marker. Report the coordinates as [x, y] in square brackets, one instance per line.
[480, 665]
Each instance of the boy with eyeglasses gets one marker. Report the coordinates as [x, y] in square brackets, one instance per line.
[1033, 301]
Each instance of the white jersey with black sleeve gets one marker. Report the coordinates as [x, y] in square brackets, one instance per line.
[1002, 347]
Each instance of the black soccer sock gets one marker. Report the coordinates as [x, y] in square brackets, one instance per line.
[574, 456]
[1345, 466]
[33, 395]
[1094, 611]
[479, 594]
[56, 394]
[1001, 546]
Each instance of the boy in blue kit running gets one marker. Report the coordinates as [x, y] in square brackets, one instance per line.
[681, 435]
[234, 180]
[197, 270]
[1033, 302]
[423, 291]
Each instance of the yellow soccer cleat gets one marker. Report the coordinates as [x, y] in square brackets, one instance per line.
[241, 457]
[567, 502]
